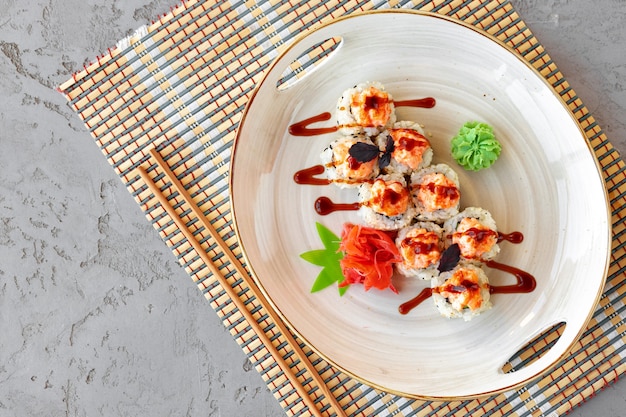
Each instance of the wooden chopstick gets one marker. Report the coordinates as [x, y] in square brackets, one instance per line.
[232, 293]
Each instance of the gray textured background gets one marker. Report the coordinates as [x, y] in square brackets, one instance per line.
[96, 316]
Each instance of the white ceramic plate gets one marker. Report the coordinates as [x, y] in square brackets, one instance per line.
[546, 184]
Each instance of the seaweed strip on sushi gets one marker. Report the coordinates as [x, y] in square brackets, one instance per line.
[386, 202]
[476, 233]
[420, 246]
[462, 292]
[435, 192]
[411, 149]
[365, 108]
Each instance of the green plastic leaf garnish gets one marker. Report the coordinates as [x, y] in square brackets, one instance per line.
[475, 146]
[328, 258]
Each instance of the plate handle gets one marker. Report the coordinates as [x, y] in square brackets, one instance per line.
[301, 58]
[310, 60]
[539, 353]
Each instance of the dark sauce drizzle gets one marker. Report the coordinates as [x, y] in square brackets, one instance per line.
[427, 103]
[307, 176]
[414, 302]
[323, 205]
[302, 128]
[525, 282]
[513, 237]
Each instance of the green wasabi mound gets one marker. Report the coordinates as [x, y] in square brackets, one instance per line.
[475, 146]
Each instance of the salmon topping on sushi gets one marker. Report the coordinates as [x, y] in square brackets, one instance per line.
[420, 248]
[371, 107]
[463, 289]
[409, 147]
[474, 238]
[436, 192]
[347, 167]
[388, 198]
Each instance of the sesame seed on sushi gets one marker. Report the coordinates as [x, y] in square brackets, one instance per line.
[386, 203]
[345, 170]
[476, 233]
[435, 192]
[462, 292]
[420, 246]
[365, 108]
[411, 150]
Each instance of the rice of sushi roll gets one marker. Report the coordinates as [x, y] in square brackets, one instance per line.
[411, 149]
[462, 292]
[365, 108]
[386, 203]
[475, 231]
[435, 192]
[420, 246]
[343, 169]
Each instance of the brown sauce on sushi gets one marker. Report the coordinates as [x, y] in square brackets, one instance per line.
[419, 247]
[389, 196]
[409, 144]
[302, 128]
[307, 176]
[441, 192]
[465, 285]
[480, 235]
[353, 163]
[525, 282]
[374, 102]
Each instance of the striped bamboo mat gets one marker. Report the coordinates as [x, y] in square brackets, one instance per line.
[181, 85]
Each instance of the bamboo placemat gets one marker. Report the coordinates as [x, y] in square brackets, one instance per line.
[181, 84]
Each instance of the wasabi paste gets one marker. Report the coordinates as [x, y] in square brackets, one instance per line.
[475, 146]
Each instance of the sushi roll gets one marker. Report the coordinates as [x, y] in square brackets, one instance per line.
[386, 203]
[435, 193]
[462, 292]
[366, 108]
[343, 169]
[420, 246]
[410, 151]
[475, 231]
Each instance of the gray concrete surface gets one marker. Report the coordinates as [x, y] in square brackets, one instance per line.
[96, 317]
